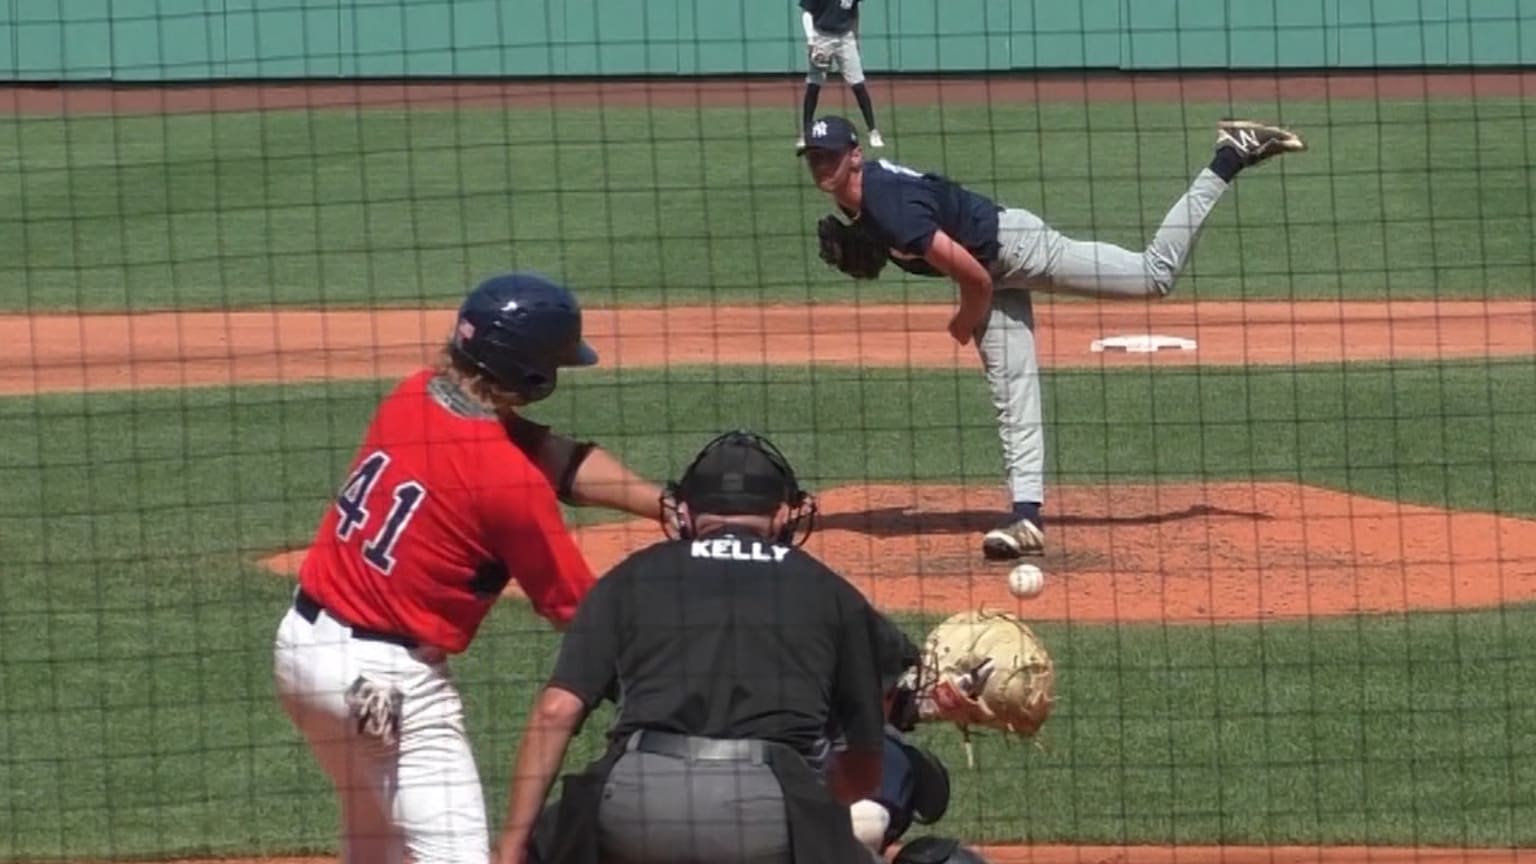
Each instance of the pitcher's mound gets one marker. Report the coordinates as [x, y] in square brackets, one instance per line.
[1212, 552]
[1219, 551]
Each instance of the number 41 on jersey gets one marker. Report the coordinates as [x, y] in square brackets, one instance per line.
[352, 511]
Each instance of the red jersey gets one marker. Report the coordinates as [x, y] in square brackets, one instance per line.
[438, 512]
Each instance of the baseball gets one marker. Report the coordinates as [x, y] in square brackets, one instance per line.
[1026, 580]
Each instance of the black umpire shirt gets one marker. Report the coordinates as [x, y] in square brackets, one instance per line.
[905, 209]
[728, 636]
[832, 16]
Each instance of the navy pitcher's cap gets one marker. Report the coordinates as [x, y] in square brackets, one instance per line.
[832, 134]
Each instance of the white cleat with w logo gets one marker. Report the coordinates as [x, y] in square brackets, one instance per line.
[1255, 142]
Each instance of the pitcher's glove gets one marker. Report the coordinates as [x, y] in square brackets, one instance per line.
[989, 669]
[850, 248]
[821, 55]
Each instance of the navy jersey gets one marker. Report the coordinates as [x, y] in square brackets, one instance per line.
[832, 16]
[906, 208]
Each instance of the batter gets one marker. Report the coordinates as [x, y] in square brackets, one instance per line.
[450, 498]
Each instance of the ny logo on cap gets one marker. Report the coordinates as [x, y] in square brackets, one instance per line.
[819, 130]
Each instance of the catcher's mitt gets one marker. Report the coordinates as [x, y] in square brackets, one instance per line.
[986, 668]
[850, 248]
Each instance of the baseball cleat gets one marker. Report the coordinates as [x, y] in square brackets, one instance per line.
[800, 144]
[1014, 540]
[1255, 142]
[874, 138]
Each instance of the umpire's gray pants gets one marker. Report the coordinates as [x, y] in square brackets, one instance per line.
[667, 810]
[1037, 257]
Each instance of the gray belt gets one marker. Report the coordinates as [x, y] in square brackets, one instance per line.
[696, 749]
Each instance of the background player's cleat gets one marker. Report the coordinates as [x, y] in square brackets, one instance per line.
[1255, 142]
[1014, 540]
[874, 138]
[800, 144]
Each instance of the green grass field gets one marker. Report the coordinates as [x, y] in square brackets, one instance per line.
[135, 625]
[135, 630]
[1395, 199]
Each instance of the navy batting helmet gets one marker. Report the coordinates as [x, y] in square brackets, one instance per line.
[519, 329]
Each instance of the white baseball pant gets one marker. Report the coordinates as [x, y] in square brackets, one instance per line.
[422, 796]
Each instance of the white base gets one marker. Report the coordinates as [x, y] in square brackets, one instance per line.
[1142, 343]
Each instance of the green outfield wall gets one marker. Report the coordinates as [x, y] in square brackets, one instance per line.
[147, 40]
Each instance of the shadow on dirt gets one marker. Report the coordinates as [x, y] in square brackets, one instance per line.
[901, 522]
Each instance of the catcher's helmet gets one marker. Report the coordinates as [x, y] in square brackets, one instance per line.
[519, 328]
[742, 473]
[937, 850]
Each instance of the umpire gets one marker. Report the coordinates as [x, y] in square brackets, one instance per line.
[730, 652]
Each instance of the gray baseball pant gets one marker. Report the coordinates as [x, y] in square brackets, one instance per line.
[1036, 257]
[845, 47]
[663, 810]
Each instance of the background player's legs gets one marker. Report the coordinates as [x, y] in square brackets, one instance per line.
[312, 664]
[867, 108]
[808, 107]
[1007, 348]
[814, 79]
[1055, 262]
[852, 66]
